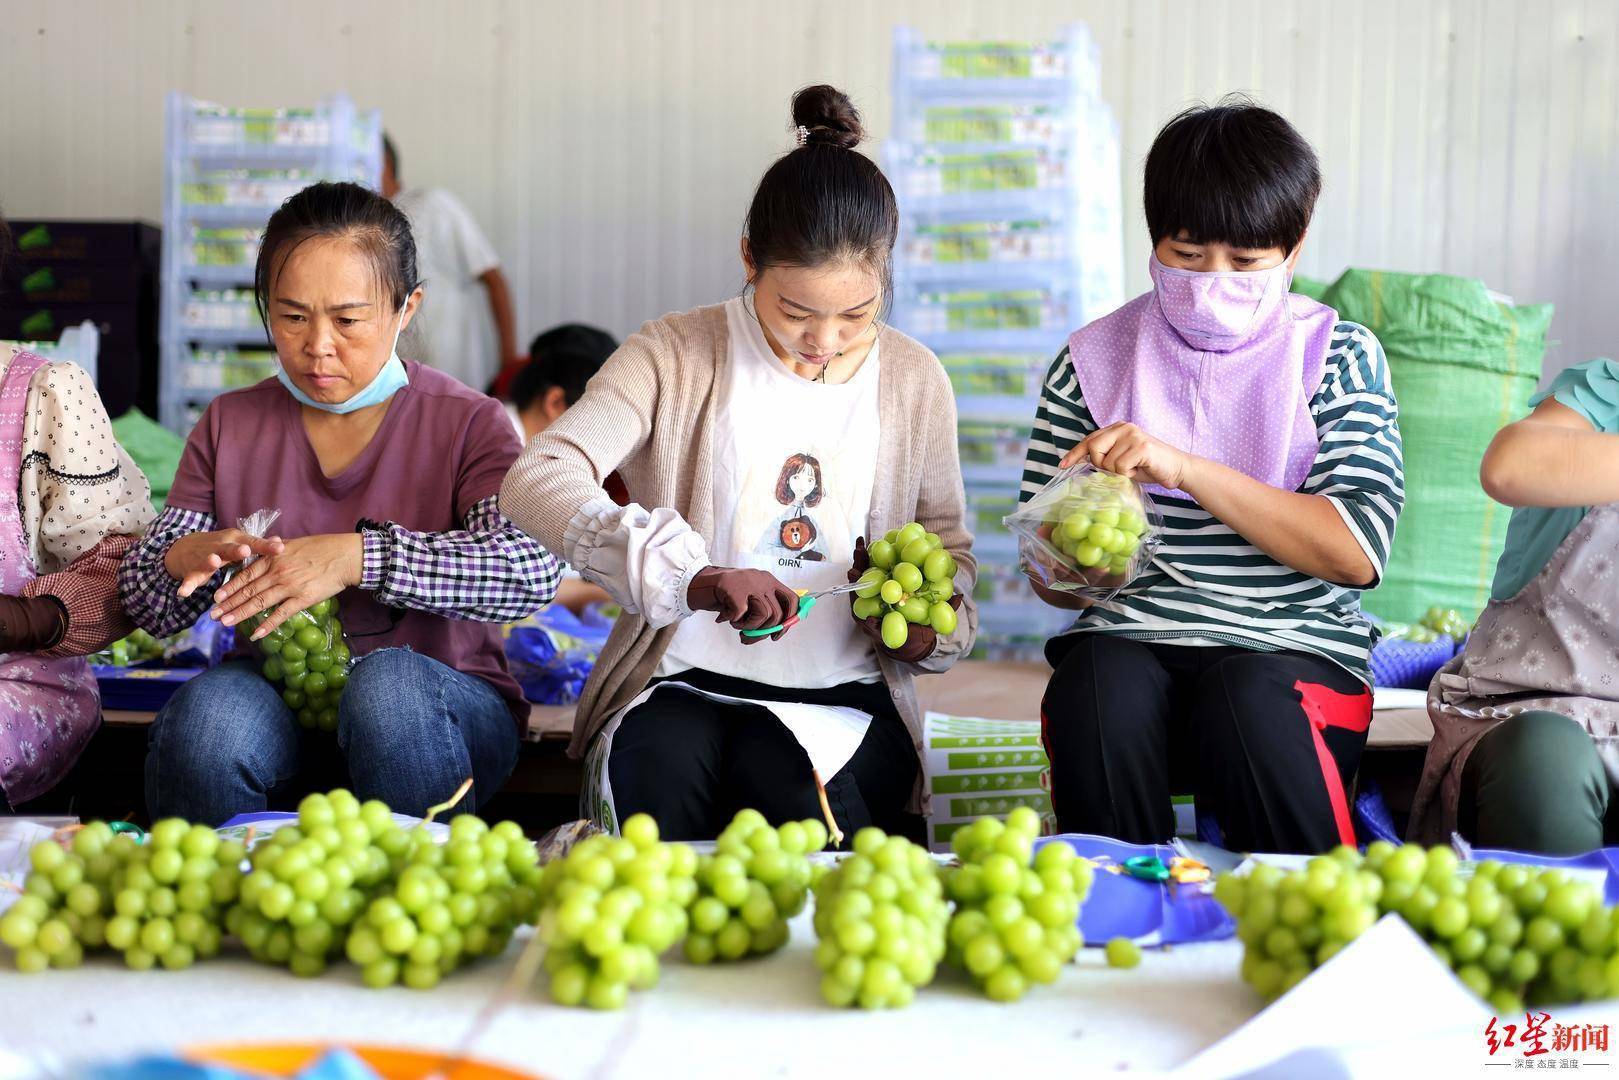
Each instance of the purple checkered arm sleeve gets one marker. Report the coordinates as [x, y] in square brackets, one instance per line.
[150, 596]
[491, 571]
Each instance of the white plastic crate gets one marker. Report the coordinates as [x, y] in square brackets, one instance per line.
[227, 171]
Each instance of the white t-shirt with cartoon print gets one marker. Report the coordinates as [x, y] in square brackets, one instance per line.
[794, 467]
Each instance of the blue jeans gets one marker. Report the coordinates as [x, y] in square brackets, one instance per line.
[409, 729]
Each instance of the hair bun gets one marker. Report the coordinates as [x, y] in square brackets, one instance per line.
[828, 115]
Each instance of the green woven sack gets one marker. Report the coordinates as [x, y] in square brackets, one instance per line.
[153, 447]
[1463, 366]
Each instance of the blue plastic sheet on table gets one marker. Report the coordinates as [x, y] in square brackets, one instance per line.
[552, 653]
[1410, 665]
[1373, 821]
[1603, 859]
[1149, 912]
[333, 1065]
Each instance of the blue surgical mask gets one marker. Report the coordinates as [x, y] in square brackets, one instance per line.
[388, 382]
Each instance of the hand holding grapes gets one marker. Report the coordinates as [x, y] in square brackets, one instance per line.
[921, 628]
[305, 572]
[1128, 451]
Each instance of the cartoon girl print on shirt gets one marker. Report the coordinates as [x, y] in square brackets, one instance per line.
[795, 534]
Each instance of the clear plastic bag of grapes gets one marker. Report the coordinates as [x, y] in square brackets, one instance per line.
[1087, 532]
[306, 657]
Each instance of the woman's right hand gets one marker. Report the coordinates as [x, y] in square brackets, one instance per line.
[192, 560]
[1042, 568]
[747, 599]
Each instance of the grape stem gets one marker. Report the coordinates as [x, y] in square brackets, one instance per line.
[826, 810]
[460, 793]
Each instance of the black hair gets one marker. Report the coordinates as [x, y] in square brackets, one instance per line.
[565, 356]
[390, 152]
[375, 225]
[1234, 173]
[824, 202]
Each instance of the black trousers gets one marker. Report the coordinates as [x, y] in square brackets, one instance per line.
[693, 762]
[1267, 743]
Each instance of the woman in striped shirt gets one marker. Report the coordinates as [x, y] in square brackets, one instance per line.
[1235, 665]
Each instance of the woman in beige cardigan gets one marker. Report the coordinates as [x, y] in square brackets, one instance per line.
[769, 435]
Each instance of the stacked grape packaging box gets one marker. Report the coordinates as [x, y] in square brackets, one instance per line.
[1087, 531]
[305, 657]
[910, 582]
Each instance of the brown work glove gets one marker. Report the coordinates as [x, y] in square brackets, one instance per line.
[31, 624]
[747, 599]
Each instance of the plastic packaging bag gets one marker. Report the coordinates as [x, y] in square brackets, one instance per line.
[553, 652]
[1087, 532]
[306, 656]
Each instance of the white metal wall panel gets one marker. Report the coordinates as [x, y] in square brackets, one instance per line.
[609, 148]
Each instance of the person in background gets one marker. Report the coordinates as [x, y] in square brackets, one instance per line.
[578, 337]
[683, 717]
[74, 504]
[469, 330]
[561, 361]
[1525, 752]
[1265, 429]
[385, 474]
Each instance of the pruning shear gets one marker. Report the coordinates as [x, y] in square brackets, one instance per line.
[1181, 870]
[806, 600]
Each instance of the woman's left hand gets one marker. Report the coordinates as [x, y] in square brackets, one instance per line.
[1128, 451]
[309, 570]
[920, 643]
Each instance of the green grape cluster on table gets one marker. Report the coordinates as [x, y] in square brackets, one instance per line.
[910, 583]
[880, 920]
[308, 659]
[449, 904]
[138, 648]
[155, 903]
[1514, 935]
[757, 879]
[609, 908]
[308, 883]
[1098, 522]
[1017, 910]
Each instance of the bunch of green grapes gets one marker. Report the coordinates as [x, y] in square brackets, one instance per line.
[757, 879]
[1290, 923]
[447, 905]
[880, 917]
[1513, 934]
[609, 909]
[160, 902]
[1099, 523]
[137, 648]
[307, 658]
[1017, 910]
[310, 881]
[910, 582]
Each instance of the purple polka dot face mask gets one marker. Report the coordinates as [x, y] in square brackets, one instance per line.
[1221, 365]
[1218, 311]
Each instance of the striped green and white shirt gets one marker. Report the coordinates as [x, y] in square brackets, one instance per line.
[1207, 585]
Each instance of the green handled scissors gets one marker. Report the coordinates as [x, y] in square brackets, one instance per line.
[806, 600]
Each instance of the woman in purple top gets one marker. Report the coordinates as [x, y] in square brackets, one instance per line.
[386, 475]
